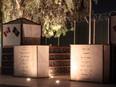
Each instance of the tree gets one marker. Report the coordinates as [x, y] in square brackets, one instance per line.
[0, 19]
[56, 16]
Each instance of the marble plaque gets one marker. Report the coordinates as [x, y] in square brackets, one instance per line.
[87, 63]
[25, 61]
[31, 61]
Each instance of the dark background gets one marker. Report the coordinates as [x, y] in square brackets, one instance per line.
[104, 6]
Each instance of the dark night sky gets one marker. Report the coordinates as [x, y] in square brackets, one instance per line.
[104, 6]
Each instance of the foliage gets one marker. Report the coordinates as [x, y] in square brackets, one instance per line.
[56, 16]
[0, 20]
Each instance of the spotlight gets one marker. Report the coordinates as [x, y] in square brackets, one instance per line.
[57, 81]
[28, 79]
[51, 76]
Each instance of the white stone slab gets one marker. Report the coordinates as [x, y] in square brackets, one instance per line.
[87, 63]
[31, 61]
[25, 61]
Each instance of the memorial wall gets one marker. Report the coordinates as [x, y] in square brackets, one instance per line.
[87, 63]
[59, 60]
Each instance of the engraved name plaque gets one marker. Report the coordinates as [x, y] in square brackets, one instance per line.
[88, 63]
[26, 61]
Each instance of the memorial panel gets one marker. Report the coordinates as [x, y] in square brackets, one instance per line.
[25, 61]
[31, 61]
[87, 63]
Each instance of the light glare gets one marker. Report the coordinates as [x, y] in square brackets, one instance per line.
[28, 79]
[51, 76]
[57, 81]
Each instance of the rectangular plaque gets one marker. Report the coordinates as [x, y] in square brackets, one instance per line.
[31, 61]
[87, 62]
[25, 61]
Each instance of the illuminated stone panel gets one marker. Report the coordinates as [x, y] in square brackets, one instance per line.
[90, 63]
[31, 61]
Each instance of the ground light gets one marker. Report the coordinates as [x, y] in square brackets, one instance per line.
[28, 79]
[51, 76]
[57, 81]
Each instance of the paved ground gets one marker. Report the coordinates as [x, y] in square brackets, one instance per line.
[11, 81]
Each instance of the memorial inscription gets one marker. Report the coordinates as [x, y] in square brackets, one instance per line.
[31, 61]
[86, 63]
[87, 60]
[25, 61]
